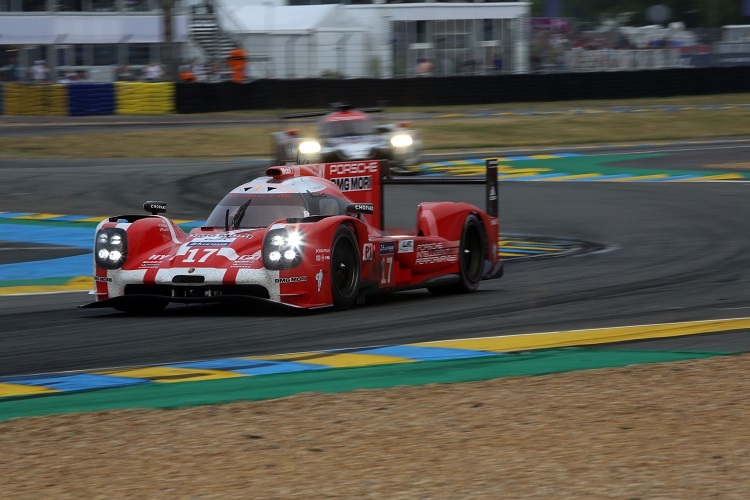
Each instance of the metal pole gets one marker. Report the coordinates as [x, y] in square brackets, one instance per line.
[168, 60]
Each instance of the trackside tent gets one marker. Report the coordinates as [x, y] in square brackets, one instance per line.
[305, 41]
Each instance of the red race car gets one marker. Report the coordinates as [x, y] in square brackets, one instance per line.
[305, 236]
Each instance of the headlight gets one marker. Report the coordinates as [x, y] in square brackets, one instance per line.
[309, 147]
[111, 248]
[283, 249]
[401, 141]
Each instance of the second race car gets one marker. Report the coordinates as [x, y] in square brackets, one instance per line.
[306, 236]
[348, 134]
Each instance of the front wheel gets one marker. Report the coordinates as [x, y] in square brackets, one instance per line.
[471, 257]
[345, 268]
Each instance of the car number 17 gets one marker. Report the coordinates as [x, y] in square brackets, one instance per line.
[386, 266]
[193, 252]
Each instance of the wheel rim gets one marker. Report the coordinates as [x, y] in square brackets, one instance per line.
[344, 268]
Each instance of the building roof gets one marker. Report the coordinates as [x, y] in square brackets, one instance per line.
[264, 18]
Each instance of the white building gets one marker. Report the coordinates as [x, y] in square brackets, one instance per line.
[283, 38]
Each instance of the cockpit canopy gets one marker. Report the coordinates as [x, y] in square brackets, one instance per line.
[347, 127]
[262, 210]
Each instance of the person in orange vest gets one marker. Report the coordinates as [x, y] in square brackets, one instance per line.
[237, 60]
[186, 73]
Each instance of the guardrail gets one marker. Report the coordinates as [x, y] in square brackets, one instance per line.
[80, 99]
[138, 98]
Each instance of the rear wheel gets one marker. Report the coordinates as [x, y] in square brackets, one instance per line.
[345, 268]
[471, 257]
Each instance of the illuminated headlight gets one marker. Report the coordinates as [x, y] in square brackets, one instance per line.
[401, 141]
[309, 147]
[111, 248]
[283, 249]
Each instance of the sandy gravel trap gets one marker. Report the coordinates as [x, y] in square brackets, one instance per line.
[673, 430]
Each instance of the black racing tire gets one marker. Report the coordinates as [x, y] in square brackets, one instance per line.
[143, 307]
[345, 268]
[471, 256]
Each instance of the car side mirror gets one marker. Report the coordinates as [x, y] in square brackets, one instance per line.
[155, 207]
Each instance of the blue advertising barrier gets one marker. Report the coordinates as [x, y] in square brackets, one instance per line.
[91, 99]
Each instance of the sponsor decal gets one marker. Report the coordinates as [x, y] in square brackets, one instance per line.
[209, 243]
[246, 260]
[293, 279]
[367, 251]
[322, 254]
[103, 279]
[319, 279]
[364, 207]
[387, 247]
[405, 246]
[361, 183]
[355, 167]
[153, 261]
[435, 253]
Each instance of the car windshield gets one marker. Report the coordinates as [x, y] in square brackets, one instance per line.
[344, 128]
[260, 210]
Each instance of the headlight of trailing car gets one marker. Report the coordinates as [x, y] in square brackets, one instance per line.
[283, 249]
[309, 147]
[111, 248]
[401, 141]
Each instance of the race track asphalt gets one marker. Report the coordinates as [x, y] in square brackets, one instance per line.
[673, 252]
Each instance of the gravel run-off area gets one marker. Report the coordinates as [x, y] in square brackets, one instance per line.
[668, 430]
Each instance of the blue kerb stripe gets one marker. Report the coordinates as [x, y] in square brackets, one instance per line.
[78, 382]
[517, 158]
[13, 215]
[518, 250]
[424, 353]
[539, 176]
[682, 177]
[603, 177]
[526, 245]
[569, 155]
[285, 367]
[70, 218]
[231, 364]
[251, 366]
[636, 179]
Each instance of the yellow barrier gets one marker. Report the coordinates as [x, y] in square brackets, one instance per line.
[139, 98]
[39, 100]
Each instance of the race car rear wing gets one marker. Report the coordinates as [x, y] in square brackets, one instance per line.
[336, 106]
[363, 181]
[489, 180]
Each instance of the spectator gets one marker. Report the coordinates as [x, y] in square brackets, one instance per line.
[187, 73]
[10, 71]
[123, 74]
[63, 77]
[153, 72]
[237, 61]
[40, 71]
[200, 71]
[424, 67]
